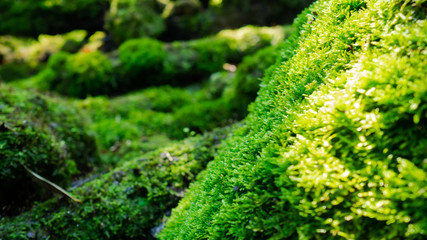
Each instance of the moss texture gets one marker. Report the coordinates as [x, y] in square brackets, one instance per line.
[125, 203]
[335, 144]
[47, 137]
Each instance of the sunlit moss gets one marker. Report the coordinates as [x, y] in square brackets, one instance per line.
[334, 139]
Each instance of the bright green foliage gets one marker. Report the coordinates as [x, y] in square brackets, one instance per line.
[78, 75]
[335, 144]
[126, 203]
[33, 17]
[141, 61]
[47, 137]
[128, 19]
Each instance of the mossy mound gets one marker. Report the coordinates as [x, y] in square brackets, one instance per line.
[78, 75]
[128, 202]
[335, 144]
[141, 62]
[44, 136]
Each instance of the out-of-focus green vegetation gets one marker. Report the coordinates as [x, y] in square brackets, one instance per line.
[23, 57]
[146, 62]
[47, 137]
[128, 19]
[34, 17]
[78, 75]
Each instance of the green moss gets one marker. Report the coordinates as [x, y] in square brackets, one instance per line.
[47, 137]
[334, 146]
[127, 202]
[146, 62]
[78, 75]
[141, 62]
[128, 19]
[166, 98]
[129, 123]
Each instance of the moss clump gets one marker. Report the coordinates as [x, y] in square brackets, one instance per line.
[127, 202]
[47, 137]
[141, 62]
[335, 144]
[128, 19]
[78, 75]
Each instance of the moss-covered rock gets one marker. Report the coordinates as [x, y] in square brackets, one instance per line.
[335, 144]
[141, 62]
[78, 75]
[43, 135]
[127, 202]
